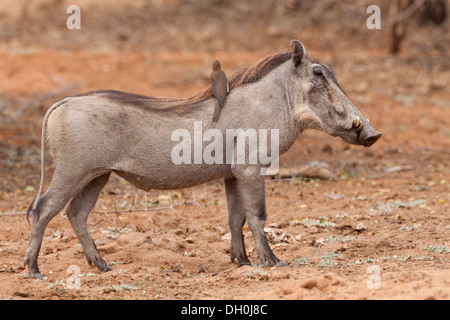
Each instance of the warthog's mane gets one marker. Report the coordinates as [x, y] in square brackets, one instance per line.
[242, 77]
[247, 75]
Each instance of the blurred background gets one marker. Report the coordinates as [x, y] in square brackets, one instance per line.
[397, 75]
[390, 202]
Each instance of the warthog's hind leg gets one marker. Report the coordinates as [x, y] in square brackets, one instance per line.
[78, 212]
[61, 190]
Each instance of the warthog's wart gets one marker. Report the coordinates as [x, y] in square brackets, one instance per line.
[95, 134]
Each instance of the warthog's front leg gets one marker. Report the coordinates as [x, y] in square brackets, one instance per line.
[251, 189]
[236, 220]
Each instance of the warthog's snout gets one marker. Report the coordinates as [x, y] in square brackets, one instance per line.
[368, 135]
[360, 132]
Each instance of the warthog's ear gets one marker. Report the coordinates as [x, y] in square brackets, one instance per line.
[298, 52]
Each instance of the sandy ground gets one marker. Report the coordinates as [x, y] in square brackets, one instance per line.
[376, 226]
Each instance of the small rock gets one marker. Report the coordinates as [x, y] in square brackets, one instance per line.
[274, 225]
[360, 227]
[148, 240]
[327, 149]
[309, 284]
[189, 254]
[21, 294]
[312, 230]
[220, 229]
[226, 236]
[316, 173]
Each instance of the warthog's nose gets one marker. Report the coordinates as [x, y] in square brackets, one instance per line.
[367, 135]
[369, 139]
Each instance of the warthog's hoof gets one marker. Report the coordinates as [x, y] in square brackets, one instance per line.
[35, 274]
[108, 268]
[241, 261]
[278, 263]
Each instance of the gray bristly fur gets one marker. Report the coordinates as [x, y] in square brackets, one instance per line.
[92, 135]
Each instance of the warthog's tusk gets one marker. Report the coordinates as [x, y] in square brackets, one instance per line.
[357, 124]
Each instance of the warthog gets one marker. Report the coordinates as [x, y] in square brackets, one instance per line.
[94, 134]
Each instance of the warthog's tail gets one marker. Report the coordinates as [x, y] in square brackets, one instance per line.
[33, 206]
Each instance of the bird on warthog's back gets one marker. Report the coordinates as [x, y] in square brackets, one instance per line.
[219, 87]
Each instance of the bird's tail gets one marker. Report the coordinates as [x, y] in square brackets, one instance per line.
[217, 112]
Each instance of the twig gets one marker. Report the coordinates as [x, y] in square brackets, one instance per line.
[146, 209]
[116, 211]
[407, 12]
[164, 208]
[12, 214]
[440, 150]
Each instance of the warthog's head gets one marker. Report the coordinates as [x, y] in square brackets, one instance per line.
[323, 105]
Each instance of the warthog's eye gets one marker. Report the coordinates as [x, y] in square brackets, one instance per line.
[317, 71]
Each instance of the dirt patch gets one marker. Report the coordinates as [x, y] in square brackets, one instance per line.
[364, 224]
